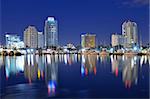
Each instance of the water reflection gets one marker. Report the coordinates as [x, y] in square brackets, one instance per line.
[34, 67]
[14, 65]
[128, 66]
[88, 64]
[45, 68]
[51, 73]
[104, 59]
[130, 71]
[1, 61]
[30, 69]
[70, 58]
[115, 64]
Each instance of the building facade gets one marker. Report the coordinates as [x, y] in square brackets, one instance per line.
[88, 40]
[51, 32]
[31, 37]
[40, 40]
[13, 41]
[118, 40]
[129, 30]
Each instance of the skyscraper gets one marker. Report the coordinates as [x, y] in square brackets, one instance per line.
[40, 40]
[129, 30]
[31, 37]
[88, 41]
[51, 32]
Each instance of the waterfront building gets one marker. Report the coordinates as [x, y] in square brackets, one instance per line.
[13, 41]
[118, 40]
[71, 46]
[88, 40]
[40, 40]
[129, 30]
[31, 37]
[51, 32]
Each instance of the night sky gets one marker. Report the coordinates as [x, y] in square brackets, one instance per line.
[102, 17]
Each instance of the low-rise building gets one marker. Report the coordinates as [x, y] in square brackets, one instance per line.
[13, 41]
[88, 40]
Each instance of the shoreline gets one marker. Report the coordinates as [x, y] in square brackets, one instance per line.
[80, 53]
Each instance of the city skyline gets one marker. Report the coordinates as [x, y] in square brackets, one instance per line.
[47, 46]
[84, 16]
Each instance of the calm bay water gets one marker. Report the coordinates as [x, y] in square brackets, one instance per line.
[72, 75]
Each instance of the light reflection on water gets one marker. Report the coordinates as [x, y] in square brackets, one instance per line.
[88, 64]
[45, 68]
[129, 69]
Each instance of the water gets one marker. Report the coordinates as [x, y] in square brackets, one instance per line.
[84, 76]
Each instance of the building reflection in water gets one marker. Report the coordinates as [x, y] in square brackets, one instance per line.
[45, 67]
[88, 64]
[51, 73]
[144, 59]
[104, 59]
[115, 64]
[34, 68]
[149, 60]
[128, 66]
[40, 62]
[31, 68]
[1, 61]
[13, 65]
[130, 71]
[71, 58]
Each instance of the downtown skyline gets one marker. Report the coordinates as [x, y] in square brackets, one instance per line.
[75, 18]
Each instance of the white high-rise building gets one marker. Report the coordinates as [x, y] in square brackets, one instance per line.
[129, 30]
[117, 40]
[31, 37]
[40, 40]
[51, 32]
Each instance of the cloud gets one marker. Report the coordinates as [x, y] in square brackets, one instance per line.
[142, 2]
[134, 3]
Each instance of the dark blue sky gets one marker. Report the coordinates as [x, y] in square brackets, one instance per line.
[102, 17]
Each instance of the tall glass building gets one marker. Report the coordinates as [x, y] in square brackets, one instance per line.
[129, 30]
[51, 32]
[40, 40]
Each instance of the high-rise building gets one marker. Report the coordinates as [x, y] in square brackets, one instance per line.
[117, 40]
[129, 30]
[88, 40]
[40, 40]
[31, 37]
[51, 32]
[13, 41]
